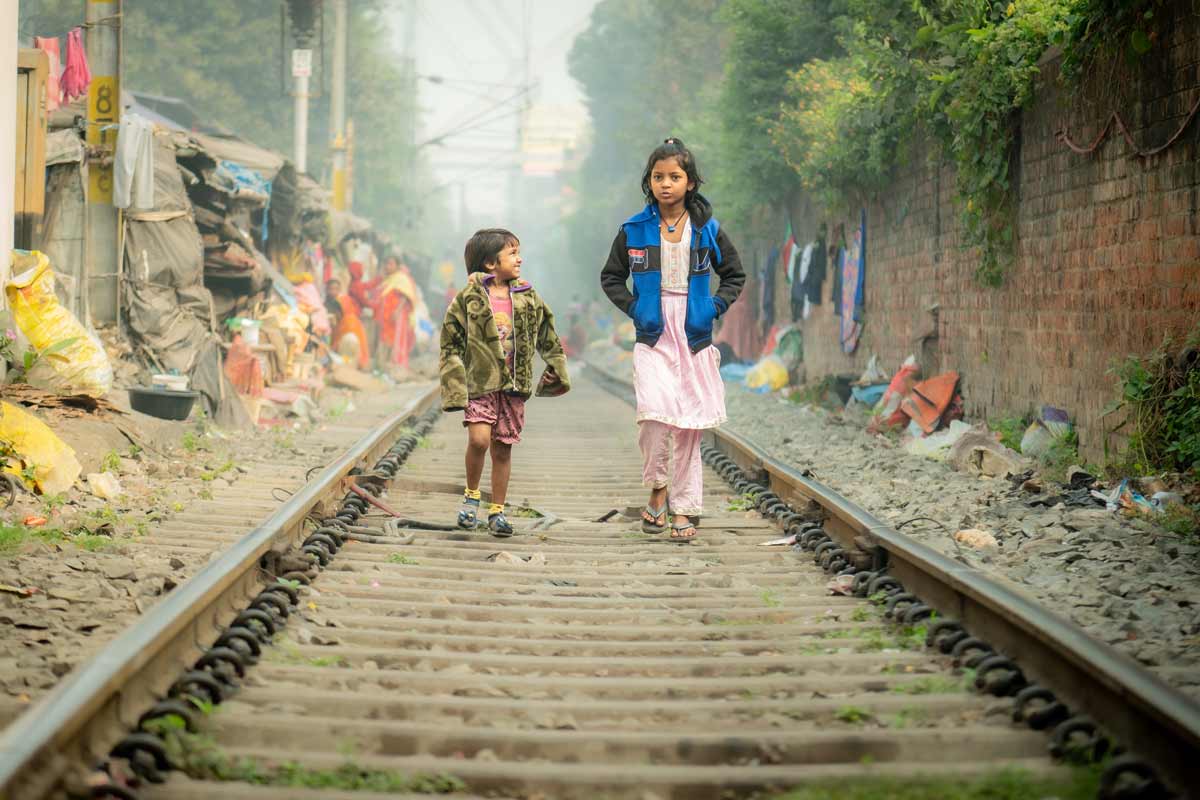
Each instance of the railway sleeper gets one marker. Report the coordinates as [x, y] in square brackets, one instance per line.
[1073, 738]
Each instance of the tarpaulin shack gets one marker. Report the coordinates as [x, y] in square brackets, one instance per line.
[168, 310]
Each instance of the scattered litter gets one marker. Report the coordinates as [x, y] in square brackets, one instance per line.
[784, 542]
[104, 485]
[931, 402]
[27, 591]
[38, 448]
[1162, 500]
[937, 445]
[1050, 427]
[841, 584]
[505, 557]
[607, 515]
[1124, 497]
[978, 451]
[976, 538]
[1077, 476]
[34, 521]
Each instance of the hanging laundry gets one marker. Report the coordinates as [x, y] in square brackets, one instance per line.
[798, 294]
[133, 167]
[790, 249]
[76, 77]
[834, 251]
[49, 46]
[767, 312]
[854, 263]
[814, 283]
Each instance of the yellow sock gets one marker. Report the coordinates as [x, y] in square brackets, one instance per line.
[472, 494]
[495, 508]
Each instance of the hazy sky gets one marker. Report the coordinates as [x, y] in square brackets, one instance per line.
[472, 43]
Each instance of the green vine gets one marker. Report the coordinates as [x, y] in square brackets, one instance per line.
[955, 71]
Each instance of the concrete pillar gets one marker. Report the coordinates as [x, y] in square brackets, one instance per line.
[102, 41]
[8, 134]
[338, 104]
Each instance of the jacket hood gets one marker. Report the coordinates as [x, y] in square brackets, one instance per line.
[699, 209]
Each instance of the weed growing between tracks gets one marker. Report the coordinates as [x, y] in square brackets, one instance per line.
[199, 757]
[1080, 784]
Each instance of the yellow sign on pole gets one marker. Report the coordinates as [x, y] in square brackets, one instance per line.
[103, 111]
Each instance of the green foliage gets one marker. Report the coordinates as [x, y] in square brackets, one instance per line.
[747, 502]
[955, 71]
[400, 558]
[934, 684]
[14, 537]
[1181, 520]
[1011, 429]
[1160, 395]
[770, 598]
[1080, 784]
[1103, 28]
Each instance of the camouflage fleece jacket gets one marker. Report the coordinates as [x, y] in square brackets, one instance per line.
[472, 359]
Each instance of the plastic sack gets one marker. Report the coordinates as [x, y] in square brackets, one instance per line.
[767, 375]
[34, 446]
[73, 360]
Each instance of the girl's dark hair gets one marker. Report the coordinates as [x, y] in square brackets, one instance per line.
[676, 149]
[484, 248]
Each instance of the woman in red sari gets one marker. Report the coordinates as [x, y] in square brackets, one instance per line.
[349, 330]
[398, 298]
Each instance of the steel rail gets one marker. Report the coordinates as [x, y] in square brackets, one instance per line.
[51, 747]
[1151, 718]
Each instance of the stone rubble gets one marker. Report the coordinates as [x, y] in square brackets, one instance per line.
[1125, 581]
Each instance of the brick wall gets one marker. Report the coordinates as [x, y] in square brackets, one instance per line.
[1108, 254]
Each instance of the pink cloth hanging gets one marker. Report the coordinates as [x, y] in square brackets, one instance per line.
[76, 77]
[49, 46]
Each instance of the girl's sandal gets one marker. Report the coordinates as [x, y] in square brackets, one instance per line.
[677, 537]
[651, 517]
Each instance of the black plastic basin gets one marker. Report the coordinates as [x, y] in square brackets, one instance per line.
[162, 403]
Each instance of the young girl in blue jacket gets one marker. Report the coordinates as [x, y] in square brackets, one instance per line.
[672, 248]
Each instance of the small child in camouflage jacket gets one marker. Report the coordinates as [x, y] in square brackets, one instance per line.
[490, 334]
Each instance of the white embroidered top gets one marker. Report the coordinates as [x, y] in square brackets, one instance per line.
[676, 261]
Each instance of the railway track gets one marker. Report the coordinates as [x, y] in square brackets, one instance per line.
[581, 659]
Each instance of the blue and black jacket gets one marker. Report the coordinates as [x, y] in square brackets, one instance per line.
[636, 251]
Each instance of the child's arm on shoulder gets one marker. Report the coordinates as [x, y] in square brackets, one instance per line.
[730, 273]
[451, 362]
[554, 381]
[615, 275]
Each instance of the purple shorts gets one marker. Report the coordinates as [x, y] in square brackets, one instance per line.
[504, 412]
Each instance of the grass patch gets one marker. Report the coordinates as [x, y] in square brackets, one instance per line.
[400, 558]
[199, 756]
[770, 598]
[527, 513]
[15, 537]
[1081, 784]
[862, 614]
[907, 717]
[1182, 521]
[935, 684]
[852, 715]
[747, 502]
[213, 474]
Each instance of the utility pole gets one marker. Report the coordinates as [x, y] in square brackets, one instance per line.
[103, 45]
[304, 18]
[341, 199]
[8, 137]
[410, 129]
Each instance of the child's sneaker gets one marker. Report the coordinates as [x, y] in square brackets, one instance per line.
[499, 526]
[468, 515]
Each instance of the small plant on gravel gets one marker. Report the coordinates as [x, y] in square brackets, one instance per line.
[907, 717]
[527, 513]
[205, 494]
[747, 502]
[1181, 520]
[862, 614]
[852, 715]
[53, 502]
[770, 598]
[190, 442]
[111, 462]
[931, 684]
[400, 558]
[326, 661]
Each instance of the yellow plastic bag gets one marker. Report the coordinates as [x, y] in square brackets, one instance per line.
[767, 375]
[32, 448]
[73, 361]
